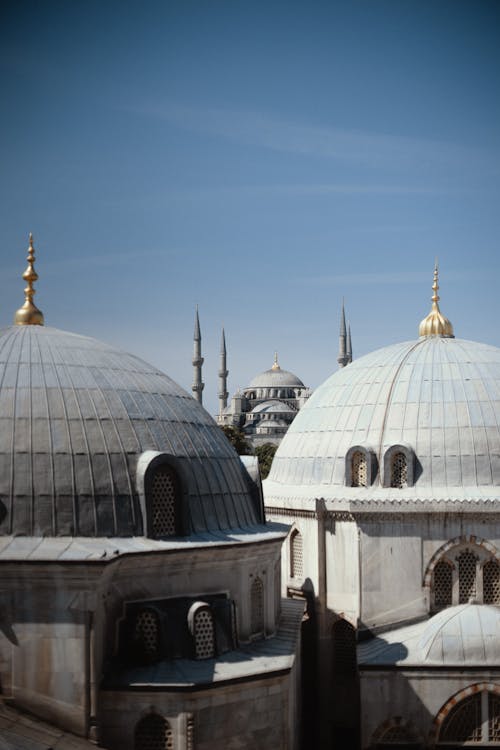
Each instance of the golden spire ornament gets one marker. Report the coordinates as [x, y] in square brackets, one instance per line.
[435, 324]
[29, 314]
[275, 363]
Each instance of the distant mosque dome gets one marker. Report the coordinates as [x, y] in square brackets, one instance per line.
[275, 377]
[407, 418]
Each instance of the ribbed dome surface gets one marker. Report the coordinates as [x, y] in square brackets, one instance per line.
[440, 396]
[275, 379]
[465, 636]
[76, 414]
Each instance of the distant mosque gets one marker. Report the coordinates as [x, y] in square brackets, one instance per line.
[266, 408]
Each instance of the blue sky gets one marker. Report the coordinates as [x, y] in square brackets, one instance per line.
[261, 160]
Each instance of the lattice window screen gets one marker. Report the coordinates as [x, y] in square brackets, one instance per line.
[296, 555]
[153, 733]
[443, 582]
[493, 717]
[491, 582]
[466, 576]
[163, 503]
[395, 735]
[204, 634]
[344, 647]
[146, 632]
[257, 607]
[359, 470]
[399, 470]
[463, 723]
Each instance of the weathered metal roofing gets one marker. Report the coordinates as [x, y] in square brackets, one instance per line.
[439, 396]
[76, 414]
[465, 635]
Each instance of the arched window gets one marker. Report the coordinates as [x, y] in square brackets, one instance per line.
[491, 582]
[474, 719]
[467, 564]
[359, 469]
[344, 648]
[163, 502]
[257, 607]
[153, 733]
[146, 636]
[202, 627]
[397, 736]
[296, 555]
[443, 584]
[467, 568]
[399, 470]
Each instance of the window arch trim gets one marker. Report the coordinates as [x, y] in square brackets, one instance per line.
[371, 464]
[149, 462]
[455, 700]
[409, 454]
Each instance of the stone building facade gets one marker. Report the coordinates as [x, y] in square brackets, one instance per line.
[390, 475]
[141, 583]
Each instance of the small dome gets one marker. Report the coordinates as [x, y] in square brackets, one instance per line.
[439, 396]
[275, 378]
[468, 634]
[76, 415]
[463, 636]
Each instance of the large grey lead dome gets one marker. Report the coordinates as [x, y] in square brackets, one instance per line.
[75, 417]
[438, 398]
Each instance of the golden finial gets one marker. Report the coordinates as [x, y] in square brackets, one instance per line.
[29, 314]
[435, 324]
[275, 363]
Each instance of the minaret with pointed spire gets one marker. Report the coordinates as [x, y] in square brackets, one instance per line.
[223, 373]
[198, 360]
[349, 345]
[29, 314]
[343, 358]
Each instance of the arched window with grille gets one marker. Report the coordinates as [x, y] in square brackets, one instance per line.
[163, 494]
[257, 607]
[443, 584]
[467, 568]
[396, 736]
[296, 555]
[399, 466]
[474, 721]
[344, 648]
[202, 628]
[147, 634]
[399, 470]
[359, 469]
[491, 582]
[153, 732]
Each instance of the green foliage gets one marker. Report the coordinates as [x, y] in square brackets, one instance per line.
[237, 439]
[265, 454]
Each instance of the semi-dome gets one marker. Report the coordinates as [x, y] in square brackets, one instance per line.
[435, 400]
[79, 421]
[466, 635]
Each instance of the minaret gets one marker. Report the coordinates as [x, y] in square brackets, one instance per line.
[29, 314]
[343, 359]
[198, 384]
[223, 373]
[349, 345]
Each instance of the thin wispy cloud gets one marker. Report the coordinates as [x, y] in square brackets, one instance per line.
[390, 279]
[370, 149]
